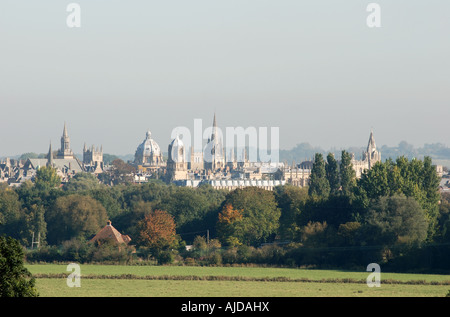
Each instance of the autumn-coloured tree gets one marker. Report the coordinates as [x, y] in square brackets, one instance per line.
[228, 225]
[260, 215]
[157, 231]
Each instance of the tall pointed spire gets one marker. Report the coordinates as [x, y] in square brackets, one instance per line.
[65, 134]
[65, 151]
[371, 145]
[50, 155]
[214, 128]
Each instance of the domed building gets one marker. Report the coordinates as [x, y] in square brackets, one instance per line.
[177, 166]
[148, 154]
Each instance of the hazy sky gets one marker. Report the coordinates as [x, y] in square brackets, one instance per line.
[312, 68]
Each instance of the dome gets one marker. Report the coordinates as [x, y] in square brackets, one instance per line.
[148, 152]
[177, 150]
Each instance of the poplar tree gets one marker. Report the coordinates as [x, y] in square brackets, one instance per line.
[332, 171]
[319, 185]
[347, 174]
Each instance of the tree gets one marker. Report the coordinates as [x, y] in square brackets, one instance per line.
[82, 182]
[47, 178]
[444, 218]
[291, 201]
[121, 172]
[260, 213]
[347, 174]
[318, 182]
[12, 216]
[15, 279]
[395, 220]
[35, 223]
[229, 224]
[415, 178]
[430, 182]
[157, 233]
[332, 171]
[74, 216]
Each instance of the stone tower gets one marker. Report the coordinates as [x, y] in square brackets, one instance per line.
[214, 154]
[93, 158]
[371, 155]
[65, 151]
[176, 163]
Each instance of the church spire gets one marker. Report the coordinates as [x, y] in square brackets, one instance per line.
[65, 151]
[371, 145]
[65, 134]
[214, 128]
[50, 155]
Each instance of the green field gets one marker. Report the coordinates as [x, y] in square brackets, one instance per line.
[181, 281]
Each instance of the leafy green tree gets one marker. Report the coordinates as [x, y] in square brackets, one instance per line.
[15, 279]
[415, 178]
[395, 220]
[260, 213]
[111, 198]
[47, 178]
[12, 217]
[444, 218]
[332, 171]
[374, 182]
[430, 182]
[35, 224]
[318, 182]
[291, 201]
[74, 216]
[347, 174]
[82, 182]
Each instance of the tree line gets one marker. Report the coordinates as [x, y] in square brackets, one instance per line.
[394, 214]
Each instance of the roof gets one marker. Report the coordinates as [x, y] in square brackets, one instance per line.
[73, 163]
[110, 233]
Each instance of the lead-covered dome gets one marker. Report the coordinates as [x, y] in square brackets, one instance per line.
[148, 152]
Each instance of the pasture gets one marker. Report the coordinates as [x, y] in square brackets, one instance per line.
[195, 281]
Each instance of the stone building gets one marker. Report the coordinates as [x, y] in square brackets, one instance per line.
[148, 155]
[177, 166]
[65, 162]
[93, 159]
[369, 157]
[214, 156]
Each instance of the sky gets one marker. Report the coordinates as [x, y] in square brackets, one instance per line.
[314, 69]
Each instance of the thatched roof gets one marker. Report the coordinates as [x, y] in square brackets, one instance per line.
[111, 233]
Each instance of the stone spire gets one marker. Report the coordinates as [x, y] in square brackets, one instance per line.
[65, 134]
[65, 151]
[214, 128]
[50, 156]
[371, 145]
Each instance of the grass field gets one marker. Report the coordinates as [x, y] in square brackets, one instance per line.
[181, 281]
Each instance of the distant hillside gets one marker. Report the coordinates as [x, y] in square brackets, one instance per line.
[305, 152]
[437, 151]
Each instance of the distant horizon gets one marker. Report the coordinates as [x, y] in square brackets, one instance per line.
[164, 150]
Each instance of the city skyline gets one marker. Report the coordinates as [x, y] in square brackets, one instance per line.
[314, 69]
